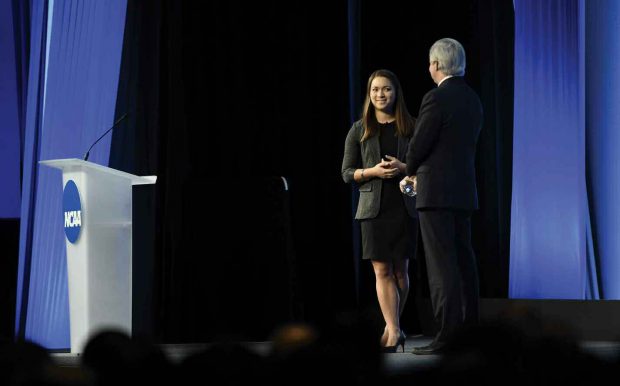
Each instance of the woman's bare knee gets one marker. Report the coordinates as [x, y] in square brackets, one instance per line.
[382, 269]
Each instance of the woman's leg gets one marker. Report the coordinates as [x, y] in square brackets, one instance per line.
[387, 294]
[401, 272]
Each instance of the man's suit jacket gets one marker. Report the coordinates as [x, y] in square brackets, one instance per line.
[365, 155]
[442, 151]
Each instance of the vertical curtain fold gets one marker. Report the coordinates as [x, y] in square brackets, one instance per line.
[9, 113]
[602, 18]
[21, 31]
[355, 94]
[38, 23]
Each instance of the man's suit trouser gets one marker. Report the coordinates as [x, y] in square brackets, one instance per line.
[451, 268]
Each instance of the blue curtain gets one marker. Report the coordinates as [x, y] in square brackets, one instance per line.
[603, 138]
[38, 23]
[564, 236]
[9, 114]
[549, 218]
[73, 77]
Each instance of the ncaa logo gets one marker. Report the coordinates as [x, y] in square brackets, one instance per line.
[72, 210]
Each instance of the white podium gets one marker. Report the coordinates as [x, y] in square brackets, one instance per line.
[99, 265]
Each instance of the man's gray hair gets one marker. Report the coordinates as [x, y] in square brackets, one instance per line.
[450, 56]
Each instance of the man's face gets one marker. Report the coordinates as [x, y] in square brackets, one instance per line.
[432, 69]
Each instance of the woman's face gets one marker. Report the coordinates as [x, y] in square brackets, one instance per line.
[382, 94]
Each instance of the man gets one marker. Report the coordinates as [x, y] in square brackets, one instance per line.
[440, 166]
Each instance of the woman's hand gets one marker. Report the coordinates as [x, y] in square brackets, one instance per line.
[384, 169]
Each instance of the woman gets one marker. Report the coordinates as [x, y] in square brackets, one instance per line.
[374, 148]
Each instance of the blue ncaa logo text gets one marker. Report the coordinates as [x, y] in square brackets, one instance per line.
[72, 210]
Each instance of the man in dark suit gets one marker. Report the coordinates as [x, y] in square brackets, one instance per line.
[440, 166]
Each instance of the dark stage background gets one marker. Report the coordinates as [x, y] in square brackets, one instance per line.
[227, 97]
[9, 239]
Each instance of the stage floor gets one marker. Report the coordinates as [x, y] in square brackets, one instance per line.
[394, 364]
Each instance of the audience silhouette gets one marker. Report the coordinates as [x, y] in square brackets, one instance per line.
[517, 348]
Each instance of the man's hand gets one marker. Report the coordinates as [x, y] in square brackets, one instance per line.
[410, 180]
[395, 163]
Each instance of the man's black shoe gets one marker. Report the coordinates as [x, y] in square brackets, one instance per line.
[427, 350]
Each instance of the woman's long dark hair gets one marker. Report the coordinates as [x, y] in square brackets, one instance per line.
[404, 121]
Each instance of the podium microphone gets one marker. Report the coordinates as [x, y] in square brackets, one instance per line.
[103, 135]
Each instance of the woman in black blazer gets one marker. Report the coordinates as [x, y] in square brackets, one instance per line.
[374, 148]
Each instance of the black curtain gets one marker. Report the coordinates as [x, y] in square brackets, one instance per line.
[495, 84]
[228, 97]
[136, 148]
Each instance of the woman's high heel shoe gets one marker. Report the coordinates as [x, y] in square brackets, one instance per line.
[384, 337]
[393, 349]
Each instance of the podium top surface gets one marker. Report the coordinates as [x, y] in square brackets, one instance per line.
[72, 164]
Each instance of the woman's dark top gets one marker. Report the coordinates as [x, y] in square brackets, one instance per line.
[391, 235]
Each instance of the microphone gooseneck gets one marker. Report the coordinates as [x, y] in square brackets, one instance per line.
[87, 154]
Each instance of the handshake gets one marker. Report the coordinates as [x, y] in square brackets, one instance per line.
[408, 186]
